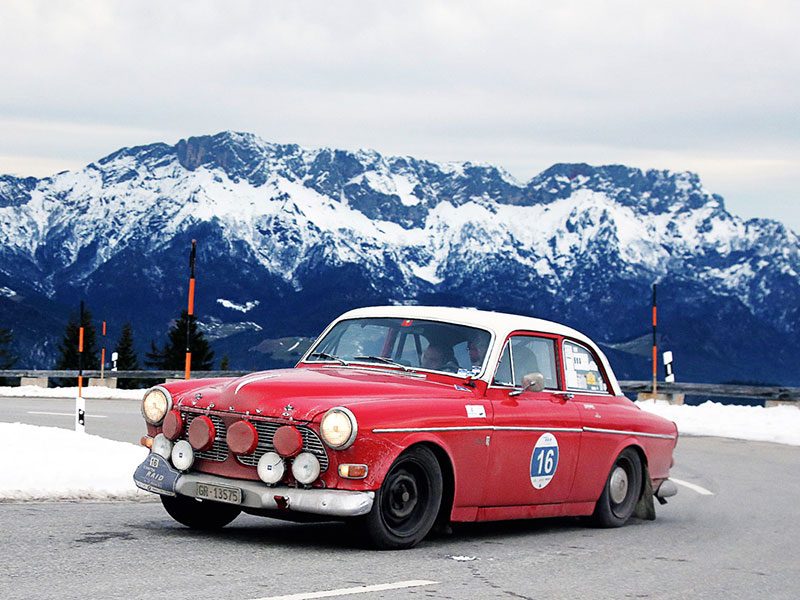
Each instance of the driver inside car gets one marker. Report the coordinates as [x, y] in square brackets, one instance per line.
[439, 358]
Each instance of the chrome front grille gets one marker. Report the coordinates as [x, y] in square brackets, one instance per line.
[266, 431]
[219, 451]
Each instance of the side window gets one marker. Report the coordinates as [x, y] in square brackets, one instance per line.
[581, 369]
[503, 375]
[532, 354]
[527, 354]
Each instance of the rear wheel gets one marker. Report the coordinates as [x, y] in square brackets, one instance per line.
[621, 492]
[199, 514]
[406, 506]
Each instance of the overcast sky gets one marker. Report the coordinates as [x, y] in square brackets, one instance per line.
[712, 87]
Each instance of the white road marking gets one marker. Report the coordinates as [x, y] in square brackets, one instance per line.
[694, 487]
[362, 589]
[60, 414]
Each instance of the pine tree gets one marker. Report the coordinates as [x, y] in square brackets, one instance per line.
[68, 348]
[172, 357]
[126, 354]
[7, 358]
[126, 358]
[225, 363]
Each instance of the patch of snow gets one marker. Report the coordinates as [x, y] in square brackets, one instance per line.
[779, 424]
[7, 292]
[95, 391]
[246, 307]
[59, 464]
[463, 558]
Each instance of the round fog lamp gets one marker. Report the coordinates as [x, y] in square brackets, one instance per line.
[288, 441]
[162, 446]
[270, 468]
[182, 455]
[305, 467]
[155, 404]
[338, 428]
[173, 425]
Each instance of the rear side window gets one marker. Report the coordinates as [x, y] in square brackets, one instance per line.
[581, 369]
[526, 354]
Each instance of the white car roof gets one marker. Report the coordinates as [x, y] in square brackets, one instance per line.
[500, 324]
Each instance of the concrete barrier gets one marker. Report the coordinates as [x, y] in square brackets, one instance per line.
[107, 382]
[672, 398]
[37, 381]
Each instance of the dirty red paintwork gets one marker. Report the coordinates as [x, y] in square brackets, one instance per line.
[488, 463]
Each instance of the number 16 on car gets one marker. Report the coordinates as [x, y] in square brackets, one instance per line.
[544, 460]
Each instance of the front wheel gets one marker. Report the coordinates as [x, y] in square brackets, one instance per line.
[199, 514]
[621, 492]
[407, 503]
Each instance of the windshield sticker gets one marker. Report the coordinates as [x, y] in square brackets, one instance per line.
[476, 411]
[544, 461]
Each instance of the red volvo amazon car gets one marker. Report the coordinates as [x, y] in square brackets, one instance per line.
[403, 418]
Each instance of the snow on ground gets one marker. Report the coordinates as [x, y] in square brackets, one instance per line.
[48, 463]
[33, 391]
[779, 424]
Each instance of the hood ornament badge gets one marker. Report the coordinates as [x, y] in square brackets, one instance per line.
[287, 411]
[198, 395]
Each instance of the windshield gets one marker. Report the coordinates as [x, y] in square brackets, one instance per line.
[409, 343]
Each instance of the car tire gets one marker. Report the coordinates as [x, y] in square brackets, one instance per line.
[199, 514]
[621, 491]
[407, 503]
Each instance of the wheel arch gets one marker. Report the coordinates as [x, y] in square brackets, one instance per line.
[448, 480]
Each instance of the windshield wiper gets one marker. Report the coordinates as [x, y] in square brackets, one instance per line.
[326, 356]
[384, 360]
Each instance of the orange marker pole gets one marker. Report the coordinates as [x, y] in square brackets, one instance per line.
[190, 310]
[655, 345]
[80, 406]
[103, 354]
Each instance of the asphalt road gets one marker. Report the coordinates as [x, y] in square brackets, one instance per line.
[119, 420]
[740, 542]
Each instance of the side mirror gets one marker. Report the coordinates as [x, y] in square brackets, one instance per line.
[532, 382]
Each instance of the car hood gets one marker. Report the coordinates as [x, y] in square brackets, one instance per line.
[303, 393]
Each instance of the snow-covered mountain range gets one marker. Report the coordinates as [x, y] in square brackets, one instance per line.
[288, 237]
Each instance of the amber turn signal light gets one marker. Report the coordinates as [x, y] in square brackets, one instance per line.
[146, 441]
[353, 471]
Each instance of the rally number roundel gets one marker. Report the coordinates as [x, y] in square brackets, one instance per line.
[544, 460]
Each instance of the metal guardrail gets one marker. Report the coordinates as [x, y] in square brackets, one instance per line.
[121, 374]
[762, 392]
[784, 394]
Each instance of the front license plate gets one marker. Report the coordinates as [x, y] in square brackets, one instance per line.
[219, 493]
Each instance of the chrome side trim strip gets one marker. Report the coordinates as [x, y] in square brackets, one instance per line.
[418, 429]
[663, 436]
[476, 428]
[521, 428]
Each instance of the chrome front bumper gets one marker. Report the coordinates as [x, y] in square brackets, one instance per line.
[334, 503]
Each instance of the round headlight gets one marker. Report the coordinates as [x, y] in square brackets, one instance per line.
[157, 401]
[339, 428]
[305, 467]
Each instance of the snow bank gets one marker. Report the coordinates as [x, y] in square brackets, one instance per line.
[780, 424]
[33, 391]
[48, 463]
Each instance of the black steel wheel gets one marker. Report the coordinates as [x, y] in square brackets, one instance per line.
[200, 514]
[621, 492]
[407, 503]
